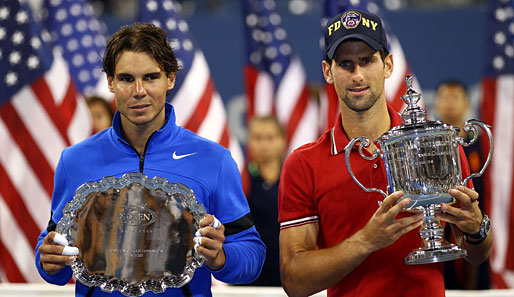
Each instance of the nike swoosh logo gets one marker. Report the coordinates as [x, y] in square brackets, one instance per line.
[178, 157]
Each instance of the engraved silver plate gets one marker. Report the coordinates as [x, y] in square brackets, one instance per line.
[134, 234]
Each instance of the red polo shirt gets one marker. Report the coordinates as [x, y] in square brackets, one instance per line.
[316, 187]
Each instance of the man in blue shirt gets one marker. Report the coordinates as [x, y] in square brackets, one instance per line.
[141, 68]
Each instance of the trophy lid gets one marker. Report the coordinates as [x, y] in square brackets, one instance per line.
[413, 114]
[414, 117]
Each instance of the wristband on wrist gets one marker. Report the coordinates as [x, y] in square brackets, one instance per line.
[481, 235]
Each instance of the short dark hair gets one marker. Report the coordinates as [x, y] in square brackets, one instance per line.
[144, 38]
[453, 82]
[96, 99]
[268, 118]
[383, 52]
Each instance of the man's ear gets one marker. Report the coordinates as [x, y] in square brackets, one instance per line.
[109, 84]
[327, 73]
[171, 80]
[388, 66]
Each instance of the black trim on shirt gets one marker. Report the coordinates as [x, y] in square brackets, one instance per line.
[51, 224]
[239, 225]
[186, 291]
[90, 291]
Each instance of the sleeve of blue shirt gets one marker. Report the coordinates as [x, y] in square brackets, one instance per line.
[59, 199]
[245, 252]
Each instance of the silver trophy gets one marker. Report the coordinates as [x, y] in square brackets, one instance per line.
[134, 234]
[421, 158]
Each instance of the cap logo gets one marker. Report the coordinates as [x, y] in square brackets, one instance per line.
[351, 19]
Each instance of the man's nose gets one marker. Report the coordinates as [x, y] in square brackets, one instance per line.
[140, 88]
[357, 74]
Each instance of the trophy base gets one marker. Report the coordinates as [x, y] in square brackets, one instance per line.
[433, 255]
[420, 200]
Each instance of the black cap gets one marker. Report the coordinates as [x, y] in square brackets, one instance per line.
[354, 24]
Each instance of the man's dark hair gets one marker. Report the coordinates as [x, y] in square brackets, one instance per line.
[453, 82]
[268, 118]
[96, 99]
[142, 38]
[383, 52]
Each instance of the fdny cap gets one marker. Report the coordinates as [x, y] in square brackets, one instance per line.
[354, 24]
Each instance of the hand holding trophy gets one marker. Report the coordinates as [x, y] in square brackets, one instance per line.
[421, 158]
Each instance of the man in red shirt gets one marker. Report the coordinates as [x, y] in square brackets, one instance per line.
[332, 234]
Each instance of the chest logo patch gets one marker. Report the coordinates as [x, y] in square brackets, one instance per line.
[178, 157]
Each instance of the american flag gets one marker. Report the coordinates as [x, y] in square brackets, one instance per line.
[80, 35]
[498, 111]
[41, 113]
[394, 86]
[198, 105]
[276, 82]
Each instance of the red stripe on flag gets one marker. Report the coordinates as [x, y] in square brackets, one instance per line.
[396, 102]
[202, 108]
[41, 89]
[487, 115]
[332, 106]
[297, 114]
[68, 105]
[18, 209]
[28, 146]
[509, 259]
[498, 281]
[10, 267]
[250, 74]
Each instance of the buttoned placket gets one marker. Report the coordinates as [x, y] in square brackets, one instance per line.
[377, 179]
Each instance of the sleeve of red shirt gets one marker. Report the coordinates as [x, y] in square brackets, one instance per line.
[464, 165]
[296, 191]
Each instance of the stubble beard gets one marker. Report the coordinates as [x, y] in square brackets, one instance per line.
[360, 104]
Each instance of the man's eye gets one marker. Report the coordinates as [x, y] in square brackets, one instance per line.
[345, 64]
[366, 61]
[126, 79]
[151, 77]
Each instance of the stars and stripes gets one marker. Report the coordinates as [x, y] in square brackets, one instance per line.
[394, 85]
[498, 110]
[198, 105]
[80, 36]
[41, 113]
[276, 82]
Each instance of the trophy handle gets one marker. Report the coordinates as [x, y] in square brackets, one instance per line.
[364, 142]
[470, 126]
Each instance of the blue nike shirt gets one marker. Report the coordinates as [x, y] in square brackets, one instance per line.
[178, 155]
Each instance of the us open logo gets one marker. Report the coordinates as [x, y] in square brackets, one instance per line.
[136, 216]
[351, 19]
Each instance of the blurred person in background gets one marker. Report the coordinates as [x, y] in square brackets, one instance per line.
[452, 105]
[266, 146]
[102, 113]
